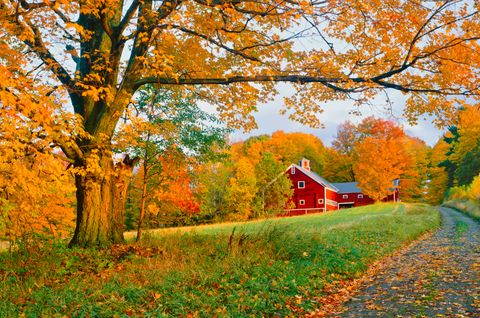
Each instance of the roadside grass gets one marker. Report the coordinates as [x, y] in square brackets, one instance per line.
[467, 206]
[262, 268]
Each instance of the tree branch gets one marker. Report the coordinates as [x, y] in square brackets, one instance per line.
[47, 57]
[419, 35]
[127, 18]
[217, 43]
[301, 79]
[330, 82]
[166, 8]
[32, 6]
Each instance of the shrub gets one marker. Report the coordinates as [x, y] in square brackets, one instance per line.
[474, 189]
[468, 192]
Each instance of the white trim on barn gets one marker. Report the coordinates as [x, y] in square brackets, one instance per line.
[331, 202]
[306, 209]
[312, 175]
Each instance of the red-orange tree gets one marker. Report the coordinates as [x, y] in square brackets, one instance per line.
[380, 156]
[99, 52]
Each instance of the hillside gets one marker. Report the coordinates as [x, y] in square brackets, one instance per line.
[273, 267]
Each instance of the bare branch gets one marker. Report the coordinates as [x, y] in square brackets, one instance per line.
[330, 82]
[420, 34]
[166, 8]
[32, 6]
[330, 44]
[61, 15]
[47, 57]
[301, 79]
[127, 17]
[106, 26]
[217, 43]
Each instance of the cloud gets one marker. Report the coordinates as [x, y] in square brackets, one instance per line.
[335, 113]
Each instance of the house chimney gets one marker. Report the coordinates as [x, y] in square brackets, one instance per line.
[305, 164]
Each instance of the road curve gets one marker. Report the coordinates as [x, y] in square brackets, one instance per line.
[439, 277]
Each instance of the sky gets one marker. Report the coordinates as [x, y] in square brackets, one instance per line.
[269, 120]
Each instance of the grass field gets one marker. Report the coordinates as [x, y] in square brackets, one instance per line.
[270, 267]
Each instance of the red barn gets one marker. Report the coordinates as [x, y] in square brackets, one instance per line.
[312, 193]
[349, 195]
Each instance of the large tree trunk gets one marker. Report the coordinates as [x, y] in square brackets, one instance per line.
[101, 197]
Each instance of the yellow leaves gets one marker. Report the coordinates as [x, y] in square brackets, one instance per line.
[380, 157]
[100, 7]
[80, 30]
[443, 110]
[93, 93]
[469, 131]
[153, 209]
[96, 93]
[176, 16]
[242, 189]
[93, 77]
[144, 37]
[374, 37]
[36, 194]
[474, 189]
[93, 166]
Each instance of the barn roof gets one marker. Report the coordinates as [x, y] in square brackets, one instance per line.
[316, 177]
[347, 187]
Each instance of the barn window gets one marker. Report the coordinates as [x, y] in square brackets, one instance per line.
[293, 170]
[320, 201]
[301, 184]
[345, 196]
[302, 202]
[360, 196]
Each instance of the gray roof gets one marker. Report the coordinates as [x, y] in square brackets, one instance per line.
[347, 187]
[316, 177]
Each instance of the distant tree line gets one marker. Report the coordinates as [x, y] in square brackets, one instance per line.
[186, 172]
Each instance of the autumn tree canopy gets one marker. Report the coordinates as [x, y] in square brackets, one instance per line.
[375, 152]
[95, 55]
[168, 135]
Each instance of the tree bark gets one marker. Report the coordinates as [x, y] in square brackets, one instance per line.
[142, 207]
[143, 199]
[101, 196]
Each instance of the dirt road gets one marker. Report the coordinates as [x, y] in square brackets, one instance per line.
[439, 277]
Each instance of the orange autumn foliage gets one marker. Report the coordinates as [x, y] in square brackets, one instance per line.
[380, 157]
[286, 148]
[469, 130]
[174, 191]
[380, 161]
[96, 54]
[376, 152]
[36, 197]
[413, 180]
[242, 189]
[36, 190]
[438, 176]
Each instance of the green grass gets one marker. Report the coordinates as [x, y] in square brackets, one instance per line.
[466, 206]
[272, 268]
